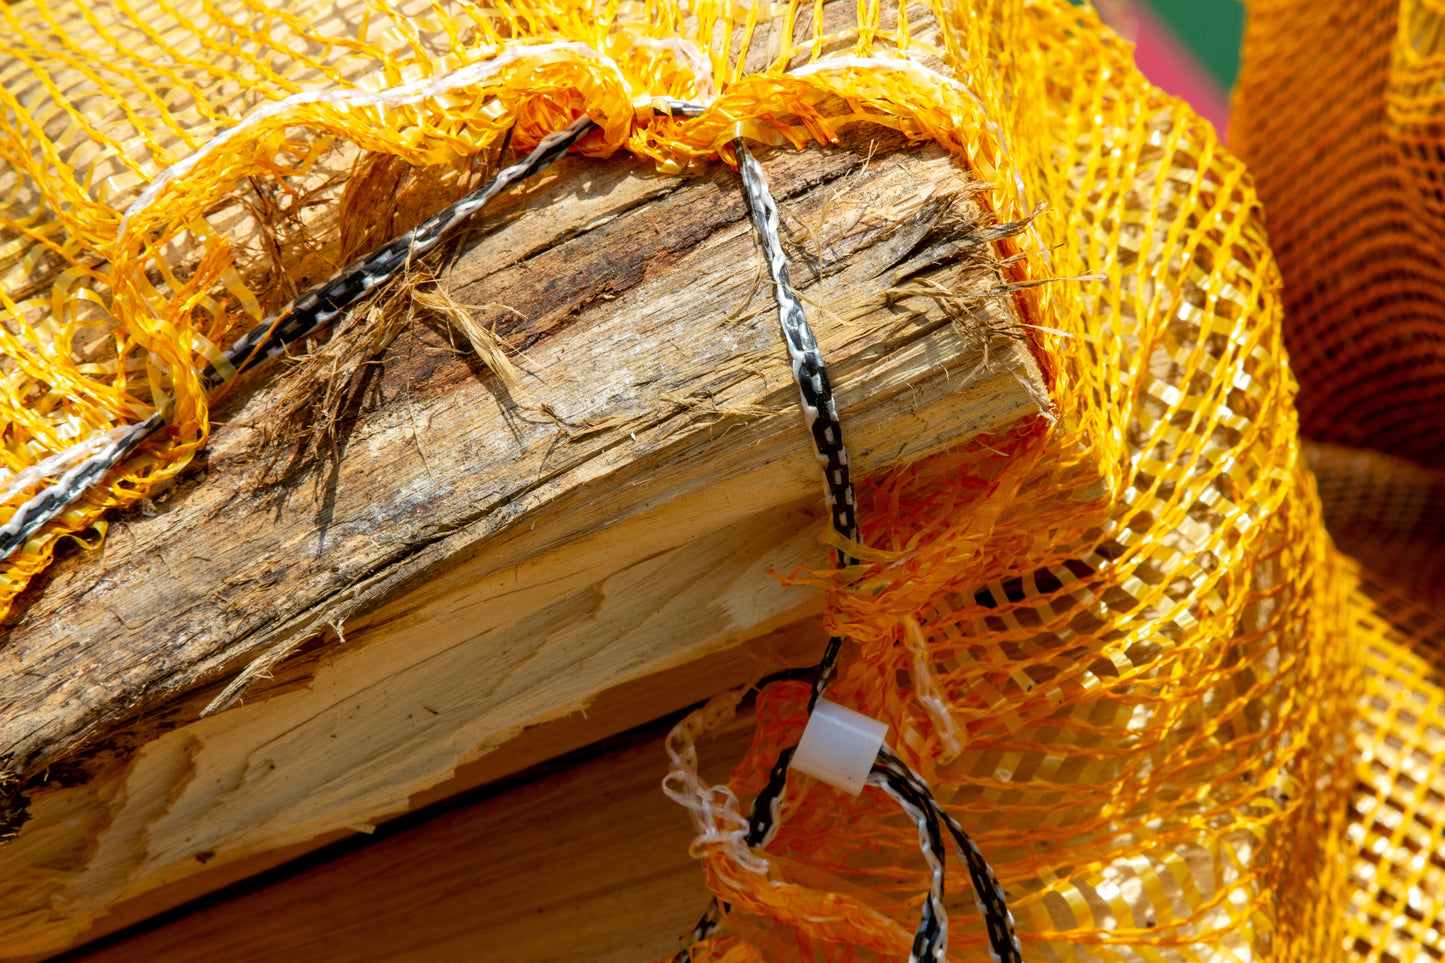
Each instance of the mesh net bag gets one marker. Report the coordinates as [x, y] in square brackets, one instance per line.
[1112, 644]
[1117, 642]
[1338, 114]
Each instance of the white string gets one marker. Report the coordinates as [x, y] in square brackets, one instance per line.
[715, 811]
[58, 463]
[409, 93]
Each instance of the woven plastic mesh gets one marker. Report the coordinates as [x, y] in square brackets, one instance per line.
[1338, 113]
[1395, 898]
[1112, 644]
[1117, 642]
[1385, 512]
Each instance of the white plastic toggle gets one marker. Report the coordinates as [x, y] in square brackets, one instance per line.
[839, 746]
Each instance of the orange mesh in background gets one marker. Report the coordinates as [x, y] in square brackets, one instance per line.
[1117, 643]
[1338, 114]
[1386, 513]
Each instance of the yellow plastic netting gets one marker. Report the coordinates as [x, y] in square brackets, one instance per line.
[1340, 114]
[1118, 643]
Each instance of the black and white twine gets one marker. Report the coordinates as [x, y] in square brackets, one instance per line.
[318, 307]
[889, 773]
[308, 314]
[894, 777]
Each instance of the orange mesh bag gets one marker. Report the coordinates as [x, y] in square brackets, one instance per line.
[1339, 114]
[1116, 642]
[128, 263]
[1140, 706]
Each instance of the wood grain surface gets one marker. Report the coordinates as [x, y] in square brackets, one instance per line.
[464, 559]
[586, 865]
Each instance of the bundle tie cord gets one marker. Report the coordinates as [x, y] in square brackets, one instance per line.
[894, 776]
[304, 316]
[820, 414]
[930, 940]
[55, 498]
[898, 780]
[318, 307]
[889, 773]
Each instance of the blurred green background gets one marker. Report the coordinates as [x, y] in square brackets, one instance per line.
[1211, 28]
